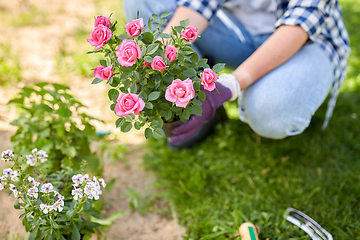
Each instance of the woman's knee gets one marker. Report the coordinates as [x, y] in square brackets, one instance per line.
[279, 126]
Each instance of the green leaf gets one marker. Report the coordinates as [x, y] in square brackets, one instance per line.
[70, 213]
[110, 185]
[159, 133]
[16, 204]
[120, 122]
[196, 102]
[165, 14]
[148, 133]
[186, 114]
[151, 49]
[75, 233]
[195, 58]
[125, 75]
[148, 59]
[156, 123]
[126, 127]
[184, 23]
[179, 29]
[202, 62]
[218, 67]
[189, 73]
[87, 206]
[143, 96]
[113, 94]
[147, 37]
[130, 117]
[165, 35]
[149, 105]
[33, 233]
[103, 63]
[110, 220]
[136, 75]
[153, 96]
[197, 110]
[133, 88]
[96, 81]
[202, 96]
[137, 125]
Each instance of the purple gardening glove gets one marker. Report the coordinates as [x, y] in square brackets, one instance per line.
[213, 101]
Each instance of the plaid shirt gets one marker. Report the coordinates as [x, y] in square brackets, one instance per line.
[322, 21]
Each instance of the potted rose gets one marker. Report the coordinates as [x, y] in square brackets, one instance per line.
[56, 206]
[156, 77]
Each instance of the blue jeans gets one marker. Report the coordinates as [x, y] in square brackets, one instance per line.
[281, 103]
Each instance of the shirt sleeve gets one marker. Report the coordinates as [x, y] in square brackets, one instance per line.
[207, 8]
[308, 14]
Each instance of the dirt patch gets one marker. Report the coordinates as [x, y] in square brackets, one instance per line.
[38, 46]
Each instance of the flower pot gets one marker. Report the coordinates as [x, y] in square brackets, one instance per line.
[167, 127]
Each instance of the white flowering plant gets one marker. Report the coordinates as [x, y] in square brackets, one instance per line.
[60, 205]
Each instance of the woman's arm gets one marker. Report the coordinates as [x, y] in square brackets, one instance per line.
[277, 49]
[196, 19]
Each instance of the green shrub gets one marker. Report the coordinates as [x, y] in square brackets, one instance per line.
[51, 119]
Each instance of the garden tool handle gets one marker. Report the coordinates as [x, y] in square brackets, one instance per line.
[248, 231]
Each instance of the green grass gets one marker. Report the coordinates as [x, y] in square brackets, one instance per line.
[234, 176]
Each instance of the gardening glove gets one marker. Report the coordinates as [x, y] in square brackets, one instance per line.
[229, 89]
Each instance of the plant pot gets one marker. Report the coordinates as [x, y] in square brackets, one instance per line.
[167, 127]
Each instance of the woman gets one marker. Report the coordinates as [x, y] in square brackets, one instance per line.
[286, 54]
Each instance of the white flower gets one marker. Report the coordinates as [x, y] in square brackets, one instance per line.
[14, 190]
[14, 176]
[7, 155]
[1, 186]
[34, 151]
[102, 182]
[7, 172]
[31, 160]
[42, 156]
[92, 190]
[45, 208]
[77, 179]
[77, 193]
[47, 188]
[33, 192]
[2, 179]
[33, 182]
[86, 177]
[58, 195]
[58, 205]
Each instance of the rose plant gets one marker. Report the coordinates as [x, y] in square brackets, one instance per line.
[55, 206]
[155, 77]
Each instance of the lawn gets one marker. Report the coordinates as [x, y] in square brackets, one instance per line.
[235, 176]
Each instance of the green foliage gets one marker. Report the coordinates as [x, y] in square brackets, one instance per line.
[10, 71]
[151, 84]
[51, 119]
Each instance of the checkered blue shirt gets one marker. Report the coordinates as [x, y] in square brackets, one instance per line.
[322, 21]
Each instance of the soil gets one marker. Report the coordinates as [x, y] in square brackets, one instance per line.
[38, 46]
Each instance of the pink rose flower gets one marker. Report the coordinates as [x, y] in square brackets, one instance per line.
[158, 64]
[128, 103]
[146, 64]
[127, 52]
[99, 36]
[170, 53]
[134, 28]
[208, 77]
[190, 33]
[103, 21]
[103, 73]
[180, 92]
